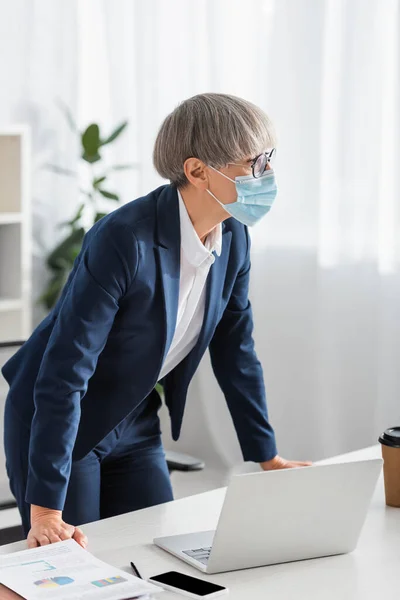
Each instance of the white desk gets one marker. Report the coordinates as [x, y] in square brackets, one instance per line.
[372, 571]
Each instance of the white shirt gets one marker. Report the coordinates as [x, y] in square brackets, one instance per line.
[196, 261]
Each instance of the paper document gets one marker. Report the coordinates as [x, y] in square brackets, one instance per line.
[67, 571]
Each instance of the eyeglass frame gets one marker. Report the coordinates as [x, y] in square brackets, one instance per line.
[269, 155]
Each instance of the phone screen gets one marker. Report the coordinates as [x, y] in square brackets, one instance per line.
[188, 584]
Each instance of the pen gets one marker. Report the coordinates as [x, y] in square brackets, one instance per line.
[134, 569]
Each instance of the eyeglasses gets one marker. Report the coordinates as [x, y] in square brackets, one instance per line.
[259, 163]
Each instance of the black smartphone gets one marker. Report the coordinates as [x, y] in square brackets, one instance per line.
[192, 587]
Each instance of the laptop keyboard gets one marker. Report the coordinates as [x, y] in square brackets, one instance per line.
[200, 554]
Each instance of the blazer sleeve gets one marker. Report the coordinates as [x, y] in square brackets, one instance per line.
[239, 372]
[106, 269]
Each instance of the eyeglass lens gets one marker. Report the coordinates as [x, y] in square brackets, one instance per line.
[261, 163]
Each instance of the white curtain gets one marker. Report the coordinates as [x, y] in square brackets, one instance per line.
[38, 64]
[326, 261]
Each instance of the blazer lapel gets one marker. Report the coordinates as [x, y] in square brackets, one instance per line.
[182, 374]
[168, 249]
[168, 240]
[215, 286]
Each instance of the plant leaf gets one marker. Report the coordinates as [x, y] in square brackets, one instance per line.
[115, 133]
[124, 167]
[98, 180]
[78, 215]
[91, 138]
[109, 195]
[99, 216]
[60, 170]
[91, 143]
[91, 158]
[63, 252]
[160, 389]
[74, 219]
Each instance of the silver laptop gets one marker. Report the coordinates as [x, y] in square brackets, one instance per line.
[282, 516]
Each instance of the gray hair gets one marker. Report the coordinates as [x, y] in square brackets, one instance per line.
[215, 128]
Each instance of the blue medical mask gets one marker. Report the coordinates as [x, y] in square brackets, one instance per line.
[255, 197]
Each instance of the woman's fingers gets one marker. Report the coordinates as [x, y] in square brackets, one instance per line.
[7, 594]
[294, 464]
[49, 528]
[80, 537]
[66, 534]
[282, 463]
[32, 541]
[43, 540]
[54, 538]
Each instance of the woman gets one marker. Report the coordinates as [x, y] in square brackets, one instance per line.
[157, 282]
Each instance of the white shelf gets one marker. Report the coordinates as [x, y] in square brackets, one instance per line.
[10, 304]
[15, 234]
[10, 261]
[10, 218]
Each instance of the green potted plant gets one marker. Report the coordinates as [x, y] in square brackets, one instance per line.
[61, 258]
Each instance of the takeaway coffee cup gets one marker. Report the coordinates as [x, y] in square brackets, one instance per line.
[390, 441]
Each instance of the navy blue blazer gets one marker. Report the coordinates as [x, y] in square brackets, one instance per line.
[99, 352]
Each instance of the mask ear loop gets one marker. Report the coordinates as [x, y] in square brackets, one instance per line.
[219, 202]
[215, 197]
[223, 174]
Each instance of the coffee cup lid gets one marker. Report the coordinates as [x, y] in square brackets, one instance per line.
[391, 437]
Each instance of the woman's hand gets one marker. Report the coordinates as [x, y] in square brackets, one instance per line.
[48, 527]
[7, 594]
[281, 463]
